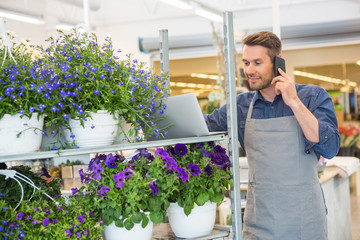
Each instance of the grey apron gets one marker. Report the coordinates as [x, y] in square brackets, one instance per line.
[284, 197]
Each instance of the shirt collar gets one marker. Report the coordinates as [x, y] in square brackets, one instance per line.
[258, 96]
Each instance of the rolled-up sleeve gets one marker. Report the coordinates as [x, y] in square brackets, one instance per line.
[217, 120]
[329, 138]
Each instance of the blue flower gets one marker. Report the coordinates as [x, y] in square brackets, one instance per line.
[54, 109]
[31, 109]
[96, 92]
[66, 117]
[42, 106]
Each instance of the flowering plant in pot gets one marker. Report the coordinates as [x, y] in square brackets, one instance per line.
[20, 96]
[197, 177]
[85, 76]
[125, 192]
[39, 217]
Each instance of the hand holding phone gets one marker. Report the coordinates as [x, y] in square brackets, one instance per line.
[279, 63]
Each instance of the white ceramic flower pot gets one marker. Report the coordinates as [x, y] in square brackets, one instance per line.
[101, 130]
[200, 221]
[50, 141]
[31, 133]
[112, 232]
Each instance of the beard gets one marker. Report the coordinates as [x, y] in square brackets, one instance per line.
[260, 85]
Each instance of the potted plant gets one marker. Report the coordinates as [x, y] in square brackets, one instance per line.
[126, 194]
[39, 217]
[197, 176]
[85, 77]
[349, 135]
[21, 98]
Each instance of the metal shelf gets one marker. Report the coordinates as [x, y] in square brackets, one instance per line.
[232, 138]
[111, 148]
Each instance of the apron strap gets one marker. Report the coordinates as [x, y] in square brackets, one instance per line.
[250, 109]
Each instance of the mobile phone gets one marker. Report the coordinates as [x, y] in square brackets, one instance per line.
[279, 63]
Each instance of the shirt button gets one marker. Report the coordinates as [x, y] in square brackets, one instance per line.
[310, 145]
[272, 107]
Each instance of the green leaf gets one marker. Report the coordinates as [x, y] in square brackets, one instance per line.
[187, 210]
[119, 223]
[113, 204]
[136, 217]
[181, 202]
[217, 198]
[145, 221]
[117, 213]
[157, 217]
[103, 204]
[202, 199]
[128, 224]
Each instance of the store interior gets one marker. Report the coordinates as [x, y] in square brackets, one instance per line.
[321, 46]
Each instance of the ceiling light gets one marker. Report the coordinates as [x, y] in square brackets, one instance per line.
[205, 76]
[358, 62]
[21, 17]
[178, 4]
[325, 78]
[208, 14]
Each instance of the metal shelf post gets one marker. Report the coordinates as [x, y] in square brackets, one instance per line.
[232, 123]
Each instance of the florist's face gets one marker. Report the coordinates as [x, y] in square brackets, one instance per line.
[258, 67]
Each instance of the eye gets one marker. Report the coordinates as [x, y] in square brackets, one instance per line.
[257, 63]
[246, 63]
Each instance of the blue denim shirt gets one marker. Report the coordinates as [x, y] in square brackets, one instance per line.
[315, 98]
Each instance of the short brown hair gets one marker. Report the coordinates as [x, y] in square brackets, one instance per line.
[266, 39]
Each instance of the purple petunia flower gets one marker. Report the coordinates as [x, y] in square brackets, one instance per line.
[74, 191]
[55, 220]
[208, 170]
[194, 169]
[46, 222]
[19, 216]
[154, 187]
[68, 233]
[45, 173]
[119, 178]
[82, 175]
[205, 153]
[33, 222]
[182, 174]
[103, 190]
[161, 152]
[219, 149]
[110, 161]
[78, 235]
[81, 219]
[128, 172]
[97, 169]
[180, 149]
[171, 163]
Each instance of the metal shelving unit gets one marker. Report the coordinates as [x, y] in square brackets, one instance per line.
[235, 232]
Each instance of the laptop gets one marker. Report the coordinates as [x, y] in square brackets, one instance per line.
[184, 112]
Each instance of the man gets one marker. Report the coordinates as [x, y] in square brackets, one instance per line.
[284, 128]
